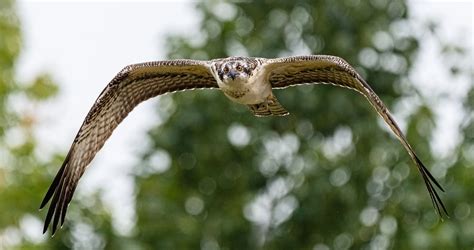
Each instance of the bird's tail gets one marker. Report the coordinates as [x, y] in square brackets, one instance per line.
[270, 107]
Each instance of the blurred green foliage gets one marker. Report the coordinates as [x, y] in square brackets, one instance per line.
[23, 178]
[21, 171]
[42, 88]
[329, 176]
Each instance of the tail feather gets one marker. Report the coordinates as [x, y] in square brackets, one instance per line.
[270, 107]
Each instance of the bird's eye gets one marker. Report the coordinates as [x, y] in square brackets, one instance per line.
[226, 70]
[239, 68]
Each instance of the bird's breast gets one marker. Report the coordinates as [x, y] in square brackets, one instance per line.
[236, 94]
[253, 91]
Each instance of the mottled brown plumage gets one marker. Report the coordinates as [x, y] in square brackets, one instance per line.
[252, 78]
[133, 85]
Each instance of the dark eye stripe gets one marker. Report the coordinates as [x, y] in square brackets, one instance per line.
[248, 70]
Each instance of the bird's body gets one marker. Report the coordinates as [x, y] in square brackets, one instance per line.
[244, 80]
[253, 89]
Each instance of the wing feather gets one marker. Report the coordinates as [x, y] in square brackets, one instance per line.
[131, 86]
[289, 71]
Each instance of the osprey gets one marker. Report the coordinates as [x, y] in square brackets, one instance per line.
[244, 80]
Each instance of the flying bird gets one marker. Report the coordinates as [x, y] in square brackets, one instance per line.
[245, 80]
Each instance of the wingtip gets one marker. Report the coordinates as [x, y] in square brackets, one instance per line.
[446, 215]
[53, 230]
[425, 170]
[428, 178]
[443, 214]
[43, 204]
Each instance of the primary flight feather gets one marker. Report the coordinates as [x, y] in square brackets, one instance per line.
[244, 80]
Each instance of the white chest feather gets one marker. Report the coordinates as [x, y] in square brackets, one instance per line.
[252, 90]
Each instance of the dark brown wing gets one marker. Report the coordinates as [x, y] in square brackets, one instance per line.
[284, 72]
[133, 85]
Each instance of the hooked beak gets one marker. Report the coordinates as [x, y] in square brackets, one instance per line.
[233, 74]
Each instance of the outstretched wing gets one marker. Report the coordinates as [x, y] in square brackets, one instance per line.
[289, 71]
[133, 85]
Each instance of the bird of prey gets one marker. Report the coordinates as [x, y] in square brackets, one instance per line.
[244, 80]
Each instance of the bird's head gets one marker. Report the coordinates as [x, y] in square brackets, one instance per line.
[236, 70]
